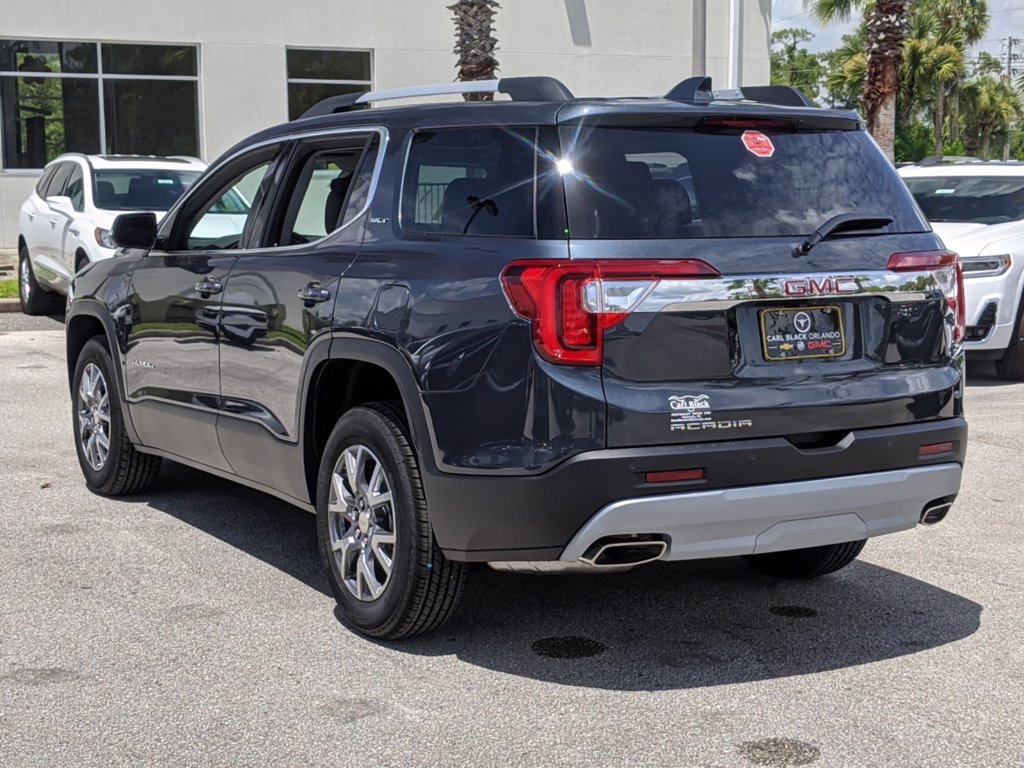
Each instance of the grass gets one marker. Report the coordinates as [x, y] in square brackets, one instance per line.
[8, 289]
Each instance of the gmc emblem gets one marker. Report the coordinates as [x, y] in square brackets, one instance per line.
[826, 286]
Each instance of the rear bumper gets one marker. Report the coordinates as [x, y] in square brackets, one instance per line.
[504, 517]
[773, 518]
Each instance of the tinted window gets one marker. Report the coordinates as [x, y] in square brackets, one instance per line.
[136, 189]
[314, 75]
[223, 222]
[76, 188]
[329, 190]
[471, 181]
[44, 180]
[59, 179]
[672, 183]
[975, 199]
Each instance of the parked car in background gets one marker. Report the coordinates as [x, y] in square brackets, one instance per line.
[977, 208]
[65, 222]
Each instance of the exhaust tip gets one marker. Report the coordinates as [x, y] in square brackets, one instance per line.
[611, 552]
[935, 511]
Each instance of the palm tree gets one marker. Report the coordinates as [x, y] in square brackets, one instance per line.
[847, 71]
[991, 105]
[885, 24]
[933, 60]
[972, 17]
[475, 42]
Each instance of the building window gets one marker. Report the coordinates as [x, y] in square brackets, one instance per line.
[314, 75]
[64, 96]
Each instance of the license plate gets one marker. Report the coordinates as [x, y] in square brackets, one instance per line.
[802, 333]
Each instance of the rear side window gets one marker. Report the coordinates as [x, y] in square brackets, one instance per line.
[624, 182]
[472, 181]
[970, 199]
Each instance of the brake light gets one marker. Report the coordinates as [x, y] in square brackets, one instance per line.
[939, 260]
[570, 304]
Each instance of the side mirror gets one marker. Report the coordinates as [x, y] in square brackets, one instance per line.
[134, 230]
[61, 204]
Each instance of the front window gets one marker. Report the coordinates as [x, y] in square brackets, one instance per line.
[970, 199]
[136, 189]
[78, 96]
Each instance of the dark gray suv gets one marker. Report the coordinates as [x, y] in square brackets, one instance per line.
[544, 333]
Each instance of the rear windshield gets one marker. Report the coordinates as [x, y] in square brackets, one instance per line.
[973, 199]
[625, 182]
[126, 189]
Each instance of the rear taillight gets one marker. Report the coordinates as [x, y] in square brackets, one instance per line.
[939, 260]
[570, 304]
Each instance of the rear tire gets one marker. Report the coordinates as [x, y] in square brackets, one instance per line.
[1010, 367]
[109, 461]
[35, 300]
[807, 563]
[387, 572]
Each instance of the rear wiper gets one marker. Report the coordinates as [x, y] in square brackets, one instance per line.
[844, 222]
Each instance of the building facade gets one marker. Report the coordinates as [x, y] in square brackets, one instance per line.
[192, 78]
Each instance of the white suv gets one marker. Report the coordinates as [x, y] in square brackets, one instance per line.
[977, 208]
[65, 223]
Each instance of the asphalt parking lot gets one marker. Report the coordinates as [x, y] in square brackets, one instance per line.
[191, 625]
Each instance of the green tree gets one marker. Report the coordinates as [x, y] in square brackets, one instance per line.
[793, 64]
[990, 107]
[885, 27]
[475, 43]
[847, 70]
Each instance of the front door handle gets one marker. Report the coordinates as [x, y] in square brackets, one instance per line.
[208, 286]
[314, 293]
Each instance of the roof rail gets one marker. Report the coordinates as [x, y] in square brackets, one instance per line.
[519, 88]
[698, 90]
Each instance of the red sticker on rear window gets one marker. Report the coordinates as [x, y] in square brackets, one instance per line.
[758, 144]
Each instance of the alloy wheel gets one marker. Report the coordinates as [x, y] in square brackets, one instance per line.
[25, 281]
[94, 417]
[362, 522]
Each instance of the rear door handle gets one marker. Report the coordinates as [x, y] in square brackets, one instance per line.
[314, 293]
[208, 286]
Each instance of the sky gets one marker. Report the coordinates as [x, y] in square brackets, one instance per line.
[1007, 17]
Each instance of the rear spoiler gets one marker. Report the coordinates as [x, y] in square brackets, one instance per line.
[698, 90]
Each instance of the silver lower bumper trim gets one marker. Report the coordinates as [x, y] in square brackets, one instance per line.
[773, 518]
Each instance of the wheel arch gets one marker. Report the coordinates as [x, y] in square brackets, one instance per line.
[87, 320]
[356, 371]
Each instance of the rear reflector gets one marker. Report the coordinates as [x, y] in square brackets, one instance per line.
[934, 448]
[675, 476]
[570, 304]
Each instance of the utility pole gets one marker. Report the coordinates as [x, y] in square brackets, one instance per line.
[1010, 42]
[700, 38]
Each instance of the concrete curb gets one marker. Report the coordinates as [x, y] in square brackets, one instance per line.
[10, 305]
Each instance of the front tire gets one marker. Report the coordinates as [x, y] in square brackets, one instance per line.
[807, 563]
[386, 571]
[35, 300]
[1010, 367]
[109, 461]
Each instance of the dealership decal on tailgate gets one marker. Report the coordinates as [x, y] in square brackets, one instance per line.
[798, 334]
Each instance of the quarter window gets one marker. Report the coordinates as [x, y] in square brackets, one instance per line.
[314, 75]
[53, 94]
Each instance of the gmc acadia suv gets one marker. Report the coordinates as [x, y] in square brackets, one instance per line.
[544, 333]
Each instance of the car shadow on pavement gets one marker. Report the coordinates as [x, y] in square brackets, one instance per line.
[260, 525]
[661, 626]
[982, 373]
[694, 624]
